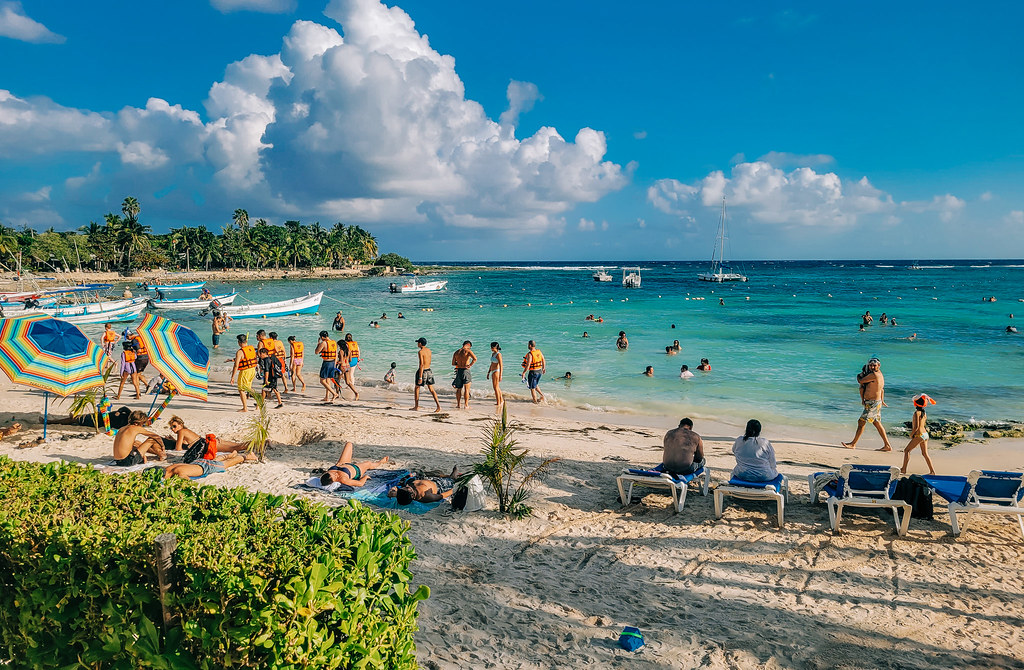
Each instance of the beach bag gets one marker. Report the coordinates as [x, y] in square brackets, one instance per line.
[469, 496]
[916, 491]
[195, 452]
[631, 638]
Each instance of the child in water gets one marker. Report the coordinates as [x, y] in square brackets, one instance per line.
[389, 376]
[919, 432]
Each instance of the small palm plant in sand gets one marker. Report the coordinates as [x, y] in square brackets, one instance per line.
[259, 427]
[504, 467]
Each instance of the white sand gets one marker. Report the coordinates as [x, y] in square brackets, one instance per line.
[555, 590]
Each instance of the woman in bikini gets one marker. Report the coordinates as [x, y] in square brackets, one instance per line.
[494, 372]
[296, 363]
[919, 433]
[348, 472]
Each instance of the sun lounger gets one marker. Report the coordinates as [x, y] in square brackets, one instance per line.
[867, 486]
[980, 492]
[777, 490]
[677, 484]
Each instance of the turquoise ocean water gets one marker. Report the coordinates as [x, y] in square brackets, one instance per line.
[785, 345]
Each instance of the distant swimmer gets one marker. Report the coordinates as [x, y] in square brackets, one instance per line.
[590, 317]
[670, 350]
[586, 334]
[867, 318]
[383, 316]
[566, 377]
[673, 325]
[684, 372]
[622, 343]
[705, 365]
[400, 315]
[861, 329]
[721, 301]
[913, 336]
[649, 371]
[892, 321]
[675, 345]
[1011, 329]
[883, 319]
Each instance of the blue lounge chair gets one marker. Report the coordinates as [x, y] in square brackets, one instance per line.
[777, 490]
[980, 492]
[677, 484]
[866, 486]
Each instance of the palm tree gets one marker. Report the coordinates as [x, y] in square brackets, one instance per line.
[132, 236]
[241, 219]
[130, 208]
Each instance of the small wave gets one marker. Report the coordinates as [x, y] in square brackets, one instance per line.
[981, 266]
[885, 266]
[934, 267]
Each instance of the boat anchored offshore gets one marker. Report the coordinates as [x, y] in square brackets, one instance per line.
[191, 303]
[307, 304]
[601, 275]
[194, 286]
[631, 277]
[414, 285]
[718, 272]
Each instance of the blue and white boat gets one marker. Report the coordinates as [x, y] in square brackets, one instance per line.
[307, 304]
[191, 303]
[194, 286]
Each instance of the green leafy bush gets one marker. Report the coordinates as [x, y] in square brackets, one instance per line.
[262, 581]
[394, 260]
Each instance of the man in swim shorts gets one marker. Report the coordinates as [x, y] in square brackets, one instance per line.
[245, 364]
[203, 467]
[872, 397]
[327, 350]
[126, 449]
[534, 366]
[424, 376]
[463, 359]
[683, 452]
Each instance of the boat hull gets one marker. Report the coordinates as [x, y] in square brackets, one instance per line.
[129, 313]
[192, 303]
[720, 277]
[426, 287]
[195, 286]
[307, 304]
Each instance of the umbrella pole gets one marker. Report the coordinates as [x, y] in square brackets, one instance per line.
[156, 394]
[46, 411]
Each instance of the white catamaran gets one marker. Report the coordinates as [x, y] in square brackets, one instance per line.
[718, 267]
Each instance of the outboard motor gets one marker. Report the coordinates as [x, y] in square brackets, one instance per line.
[393, 288]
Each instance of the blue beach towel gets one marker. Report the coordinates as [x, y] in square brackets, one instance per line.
[375, 492]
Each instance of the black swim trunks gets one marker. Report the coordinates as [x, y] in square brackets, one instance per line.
[141, 363]
[425, 379]
[134, 458]
[462, 377]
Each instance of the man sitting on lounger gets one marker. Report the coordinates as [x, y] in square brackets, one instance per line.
[684, 450]
[424, 489]
[204, 467]
[348, 472]
[127, 452]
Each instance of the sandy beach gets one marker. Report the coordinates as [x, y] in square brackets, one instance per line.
[554, 590]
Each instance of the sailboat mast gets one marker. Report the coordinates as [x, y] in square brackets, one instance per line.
[721, 237]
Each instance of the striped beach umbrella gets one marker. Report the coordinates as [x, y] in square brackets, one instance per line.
[178, 354]
[49, 354]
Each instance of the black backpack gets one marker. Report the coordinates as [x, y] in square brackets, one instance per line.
[916, 491]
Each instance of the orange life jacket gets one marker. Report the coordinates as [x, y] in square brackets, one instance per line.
[297, 348]
[249, 358]
[129, 356]
[330, 350]
[536, 360]
[109, 336]
[142, 346]
[353, 349]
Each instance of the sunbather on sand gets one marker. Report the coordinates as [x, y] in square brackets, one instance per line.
[127, 452]
[425, 489]
[10, 430]
[348, 472]
[203, 467]
[186, 437]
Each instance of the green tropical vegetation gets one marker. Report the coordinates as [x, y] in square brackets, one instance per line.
[123, 242]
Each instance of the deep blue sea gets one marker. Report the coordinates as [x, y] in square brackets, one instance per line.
[784, 345]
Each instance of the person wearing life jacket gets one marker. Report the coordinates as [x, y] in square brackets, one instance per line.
[353, 350]
[245, 364]
[109, 340]
[327, 350]
[345, 372]
[295, 364]
[129, 360]
[534, 366]
[142, 360]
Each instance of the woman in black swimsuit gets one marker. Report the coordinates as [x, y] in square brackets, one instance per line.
[345, 471]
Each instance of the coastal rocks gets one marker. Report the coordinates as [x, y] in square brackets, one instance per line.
[955, 432]
[1011, 431]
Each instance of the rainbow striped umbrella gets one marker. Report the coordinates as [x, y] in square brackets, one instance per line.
[49, 354]
[178, 354]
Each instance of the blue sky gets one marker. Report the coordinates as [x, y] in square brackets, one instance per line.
[565, 130]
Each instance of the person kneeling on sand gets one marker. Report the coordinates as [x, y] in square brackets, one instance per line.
[424, 489]
[127, 452]
[348, 472]
[202, 467]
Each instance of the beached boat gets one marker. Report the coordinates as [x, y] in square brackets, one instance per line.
[631, 277]
[190, 303]
[307, 304]
[601, 275]
[719, 269]
[414, 285]
[128, 312]
[194, 286]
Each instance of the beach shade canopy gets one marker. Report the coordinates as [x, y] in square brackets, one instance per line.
[49, 354]
[178, 354]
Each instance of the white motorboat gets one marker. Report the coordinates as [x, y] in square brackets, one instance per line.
[718, 272]
[92, 308]
[631, 277]
[192, 303]
[601, 275]
[194, 286]
[414, 285]
[307, 304]
[127, 313]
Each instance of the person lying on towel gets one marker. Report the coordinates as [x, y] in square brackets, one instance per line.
[349, 472]
[203, 467]
[424, 489]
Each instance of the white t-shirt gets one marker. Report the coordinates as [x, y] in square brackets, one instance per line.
[685, 374]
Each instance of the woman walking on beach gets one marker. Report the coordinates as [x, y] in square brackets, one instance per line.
[345, 373]
[919, 433]
[494, 372]
[296, 362]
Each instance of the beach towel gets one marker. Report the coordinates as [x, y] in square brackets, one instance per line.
[918, 493]
[374, 492]
[113, 468]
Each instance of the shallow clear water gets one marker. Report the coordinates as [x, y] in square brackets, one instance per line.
[784, 345]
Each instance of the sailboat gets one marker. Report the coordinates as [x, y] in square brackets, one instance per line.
[718, 266]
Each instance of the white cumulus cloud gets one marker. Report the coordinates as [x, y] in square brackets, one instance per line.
[1015, 217]
[947, 206]
[586, 225]
[14, 23]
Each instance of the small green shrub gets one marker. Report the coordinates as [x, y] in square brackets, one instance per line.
[263, 581]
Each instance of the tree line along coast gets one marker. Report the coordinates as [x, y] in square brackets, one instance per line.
[124, 243]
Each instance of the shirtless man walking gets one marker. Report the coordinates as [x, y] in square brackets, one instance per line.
[127, 452]
[872, 396]
[463, 359]
[424, 376]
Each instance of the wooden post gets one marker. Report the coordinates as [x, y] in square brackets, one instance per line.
[165, 544]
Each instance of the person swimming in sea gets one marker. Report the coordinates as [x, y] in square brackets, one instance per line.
[649, 371]
[566, 377]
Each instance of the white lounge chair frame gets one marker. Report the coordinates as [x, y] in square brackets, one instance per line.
[850, 497]
[627, 479]
[780, 497]
[983, 505]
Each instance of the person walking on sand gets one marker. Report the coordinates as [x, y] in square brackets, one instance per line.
[872, 397]
[295, 363]
[245, 364]
[128, 370]
[534, 366]
[424, 376]
[463, 359]
[218, 329]
[279, 353]
[345, 372]
[919, 433]
[110, 339]
[270, 366]
[327, 350]
[494, 372]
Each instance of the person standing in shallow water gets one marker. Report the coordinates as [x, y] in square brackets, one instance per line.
[494, 372]
[424, 375]
[462, 360]
[872, 397]
[534, 366]
[622, 343]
